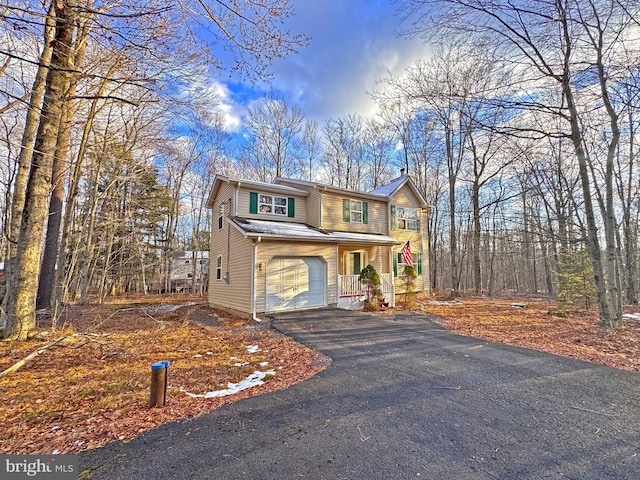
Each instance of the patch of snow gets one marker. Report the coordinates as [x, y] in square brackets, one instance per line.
[240, 364]
[253, 380]
[264, 364]
[253, 348]
[209, 353]
[445, 303]
[197, 355]
[632, 316]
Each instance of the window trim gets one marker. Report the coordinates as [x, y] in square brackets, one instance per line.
[272, 206]
[405, 218]
[219, 267]
[348, 211]
[353, 211]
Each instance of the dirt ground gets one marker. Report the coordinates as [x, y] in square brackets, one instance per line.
[92, 387]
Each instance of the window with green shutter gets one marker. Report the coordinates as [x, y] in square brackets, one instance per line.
[346, 210]
[403, 218]
[253, 202]
[291, 204]
[355, 211]
[417, 262]
[394, 221]
[271, 204]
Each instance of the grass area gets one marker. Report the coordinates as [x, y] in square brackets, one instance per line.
[93, 388]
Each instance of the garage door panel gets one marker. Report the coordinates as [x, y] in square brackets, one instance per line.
[295, 282]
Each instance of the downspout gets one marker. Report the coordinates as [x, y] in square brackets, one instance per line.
[254, 257]
[235, 199]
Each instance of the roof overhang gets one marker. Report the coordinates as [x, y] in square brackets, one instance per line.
[300, 232]
[219, 180]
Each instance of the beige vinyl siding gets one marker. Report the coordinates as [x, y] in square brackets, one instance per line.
[314, 203]
[314, 200]
[300, 208]
[234, 295]
[269, 249]
[332, 215]
[219, 237]
[405, 197]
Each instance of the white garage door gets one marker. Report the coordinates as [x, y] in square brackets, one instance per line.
[295, 282]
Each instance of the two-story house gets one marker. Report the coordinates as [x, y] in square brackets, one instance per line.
[293, 244]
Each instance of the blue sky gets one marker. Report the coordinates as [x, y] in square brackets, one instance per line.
[353, 44]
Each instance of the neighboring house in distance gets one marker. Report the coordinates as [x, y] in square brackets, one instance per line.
[293, 244]
[189, 270]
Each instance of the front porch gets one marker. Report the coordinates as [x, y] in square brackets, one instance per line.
[351, 293]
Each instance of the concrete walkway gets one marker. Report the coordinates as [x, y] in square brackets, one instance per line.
[404, 399]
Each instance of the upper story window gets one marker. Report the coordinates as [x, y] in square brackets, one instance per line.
[271, 204]
[403, 218]
[355, 211]
[221, 216]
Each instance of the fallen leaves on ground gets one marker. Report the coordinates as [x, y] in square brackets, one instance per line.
[535, 326]
[94, 388]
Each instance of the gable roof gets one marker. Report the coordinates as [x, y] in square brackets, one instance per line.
[253, 228]
[261, 186]
[390, 189]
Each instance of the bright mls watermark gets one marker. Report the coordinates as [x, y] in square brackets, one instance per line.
[49, 467]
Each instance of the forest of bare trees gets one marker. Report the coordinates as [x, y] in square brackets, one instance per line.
[519, 129]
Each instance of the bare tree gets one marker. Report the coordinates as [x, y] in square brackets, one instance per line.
[576, 49]
[275, 127]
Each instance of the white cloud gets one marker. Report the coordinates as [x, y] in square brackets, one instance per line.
[353, 45]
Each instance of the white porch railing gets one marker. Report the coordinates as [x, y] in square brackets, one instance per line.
[350, 286]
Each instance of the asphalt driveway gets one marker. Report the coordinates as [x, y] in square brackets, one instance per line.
[404, 399]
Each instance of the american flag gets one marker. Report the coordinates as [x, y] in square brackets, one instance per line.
[406, 254]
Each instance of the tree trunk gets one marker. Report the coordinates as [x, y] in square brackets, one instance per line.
[24, 285]
[54, 219]
[47, 281]
[26, 151]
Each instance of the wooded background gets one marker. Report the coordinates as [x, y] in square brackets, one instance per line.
[519, 128]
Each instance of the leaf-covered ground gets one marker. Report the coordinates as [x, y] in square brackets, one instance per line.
[537, 326]
[94, 389]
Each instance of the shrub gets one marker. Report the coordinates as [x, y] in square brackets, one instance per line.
[408, 278]
[370, 279]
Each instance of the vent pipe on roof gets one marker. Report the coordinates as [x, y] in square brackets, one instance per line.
[401, 172]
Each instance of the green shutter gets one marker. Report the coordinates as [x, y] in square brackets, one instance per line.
[395, 264]
[291, 207]
[253, 202]
[365, 212]
[394, 222]
[346, 210]
[417, 259]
